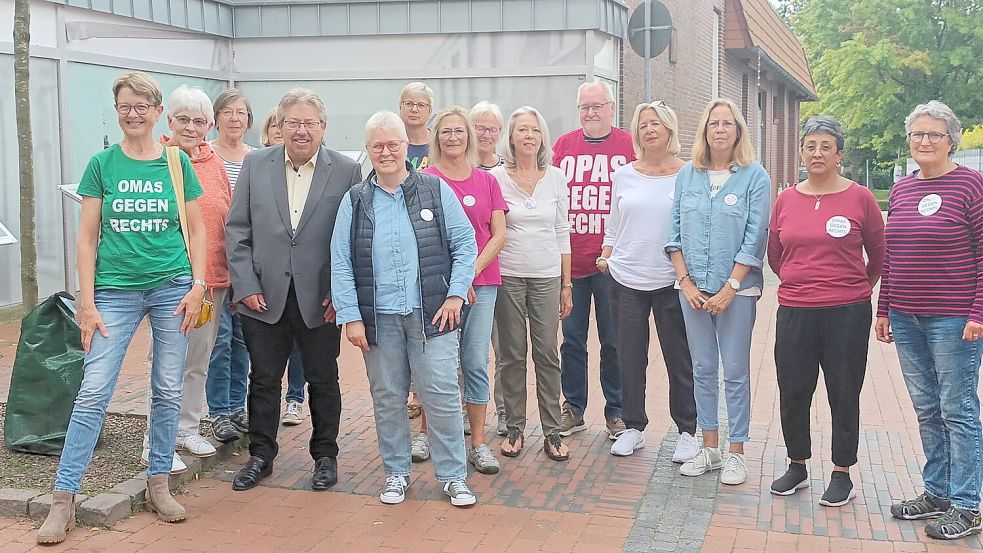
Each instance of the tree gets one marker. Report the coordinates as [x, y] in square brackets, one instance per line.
[25, 150]
[873, 61]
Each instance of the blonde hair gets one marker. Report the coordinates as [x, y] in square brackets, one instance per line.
[418, 89]
[743, 152]
[668, 119]
[264, 133]
[470, 152]
[141, 84]
[545, 154]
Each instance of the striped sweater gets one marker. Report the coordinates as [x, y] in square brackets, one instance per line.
[934, 262]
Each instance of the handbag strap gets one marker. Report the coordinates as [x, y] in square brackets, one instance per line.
[177, 180]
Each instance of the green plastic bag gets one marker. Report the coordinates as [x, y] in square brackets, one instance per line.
[46, 378]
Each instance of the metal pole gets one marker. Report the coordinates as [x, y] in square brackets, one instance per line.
[648, 48]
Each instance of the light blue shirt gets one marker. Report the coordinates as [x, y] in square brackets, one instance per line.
[716, 231]
[395, 260]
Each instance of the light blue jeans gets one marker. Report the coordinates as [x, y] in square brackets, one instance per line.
[228, 368]
[716, 340]
[400, 352]
[476, 330]
[122, 311]
[942, 373]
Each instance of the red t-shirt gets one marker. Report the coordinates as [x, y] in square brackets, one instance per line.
[588, 168]
[818, 254]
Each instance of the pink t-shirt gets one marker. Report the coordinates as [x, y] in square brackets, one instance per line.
[588, 168]
[480, 195]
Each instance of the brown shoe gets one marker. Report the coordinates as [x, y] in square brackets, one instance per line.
[60, 520]
[160, 500]
[551, 446]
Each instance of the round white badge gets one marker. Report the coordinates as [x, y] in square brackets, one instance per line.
[426, 215]
[730, 199]
[672, 194]
[930, 204]
[838, 226]
[468, 200]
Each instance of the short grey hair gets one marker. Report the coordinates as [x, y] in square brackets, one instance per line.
[608, 91]
[417, 88]
[545, 155]
[300, 95]
[937, 110]
[385, 120]
[823, 124]
[483, 107]
[186, 98]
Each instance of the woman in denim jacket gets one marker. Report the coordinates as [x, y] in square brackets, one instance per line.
[717, 240]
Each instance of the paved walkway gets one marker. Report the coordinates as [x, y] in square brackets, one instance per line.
[593, 503]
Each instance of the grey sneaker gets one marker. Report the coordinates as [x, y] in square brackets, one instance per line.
[502, 429]
[467, 424]
[482, 459]
[395, 490]
[294, 414]
[420, 448]
[924, 506]
[460, 494]
[570, 422]
[615, 427]
[954, 524]
[240, 420]
[223, 430]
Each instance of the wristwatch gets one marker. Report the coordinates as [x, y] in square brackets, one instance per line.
[599, 259]
[734, 283]
[200, 282]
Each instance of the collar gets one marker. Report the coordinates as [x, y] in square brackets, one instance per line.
[311, 162]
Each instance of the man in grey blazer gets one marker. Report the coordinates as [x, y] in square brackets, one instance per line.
[278, 238]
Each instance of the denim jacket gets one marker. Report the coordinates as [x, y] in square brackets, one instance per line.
[716, 233]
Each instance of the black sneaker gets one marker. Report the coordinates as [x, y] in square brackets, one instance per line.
[794, 479]
[840, 490]
[223, 430]
[240, 419]
[954, 524]
[924, 506]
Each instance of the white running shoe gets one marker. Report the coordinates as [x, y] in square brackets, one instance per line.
[686, 448]
[177, 465]
[627, 442]
[707, 459]
[195, 444]
[735, 470]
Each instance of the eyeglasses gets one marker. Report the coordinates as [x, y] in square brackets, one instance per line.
[183, 121]
[825, 149]
[410, 105]
[727, 124]
[659, 104]
[933, 137]
[378, 147]
[447, 133]
[293, 124]
[587, 108]
[141, 109]
[481, 129]
[229, 112]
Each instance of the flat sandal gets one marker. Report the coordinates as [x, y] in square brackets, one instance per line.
[551, 444]
[514, 436]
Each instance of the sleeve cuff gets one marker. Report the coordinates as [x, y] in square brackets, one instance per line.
[347, 315]
[458, 290]
[673, 247]
[745, 259]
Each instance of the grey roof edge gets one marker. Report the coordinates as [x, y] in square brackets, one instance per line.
[280, 19]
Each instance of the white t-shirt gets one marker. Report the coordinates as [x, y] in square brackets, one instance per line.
[717, 180]
[537, 226]
[637, 229]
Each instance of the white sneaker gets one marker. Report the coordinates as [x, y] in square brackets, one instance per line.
[686, 448]
[195, 444]
[177, 465]
[627, 442]
[395, 490]
[735, 470]
[460, 494]
[707, 459]
[294, 414]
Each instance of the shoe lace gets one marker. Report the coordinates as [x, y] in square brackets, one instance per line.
[394, 483]
[733, 462]
[458, 488]
[482, 454]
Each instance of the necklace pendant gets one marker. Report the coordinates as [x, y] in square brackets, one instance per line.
[817, 205]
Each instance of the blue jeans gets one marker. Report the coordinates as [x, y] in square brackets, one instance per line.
[400, 352]
[573, 352]
[122, 311]
[228, 369]
[716, 340]
[942, 373]
[295, 376]
[476, 329]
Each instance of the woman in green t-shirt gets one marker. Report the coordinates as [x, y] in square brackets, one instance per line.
[132, 263]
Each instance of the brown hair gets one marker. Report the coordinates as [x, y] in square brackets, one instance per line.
[141, 84]
[229, 96]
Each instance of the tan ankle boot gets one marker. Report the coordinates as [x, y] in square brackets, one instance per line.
[60, 520]
[160, 501]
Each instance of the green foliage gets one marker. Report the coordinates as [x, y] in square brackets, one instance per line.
[873, 61]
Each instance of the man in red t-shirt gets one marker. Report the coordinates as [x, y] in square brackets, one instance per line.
[588, 157]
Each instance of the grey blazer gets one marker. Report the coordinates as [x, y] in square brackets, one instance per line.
[264, 255]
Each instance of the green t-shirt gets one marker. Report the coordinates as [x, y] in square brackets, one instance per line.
[140, 243]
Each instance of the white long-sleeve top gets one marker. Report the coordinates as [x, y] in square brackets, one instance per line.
[537, 226]
[638, 228]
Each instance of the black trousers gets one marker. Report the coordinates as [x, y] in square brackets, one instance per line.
[269, 348]
[630, 309]
[834, 338]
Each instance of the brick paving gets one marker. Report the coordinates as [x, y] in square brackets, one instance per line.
[593, 503]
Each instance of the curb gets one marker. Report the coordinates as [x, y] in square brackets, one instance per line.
[119, 502]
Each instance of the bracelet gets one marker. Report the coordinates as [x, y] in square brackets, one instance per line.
[684, 277]
[568, 285]
[599, 259]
